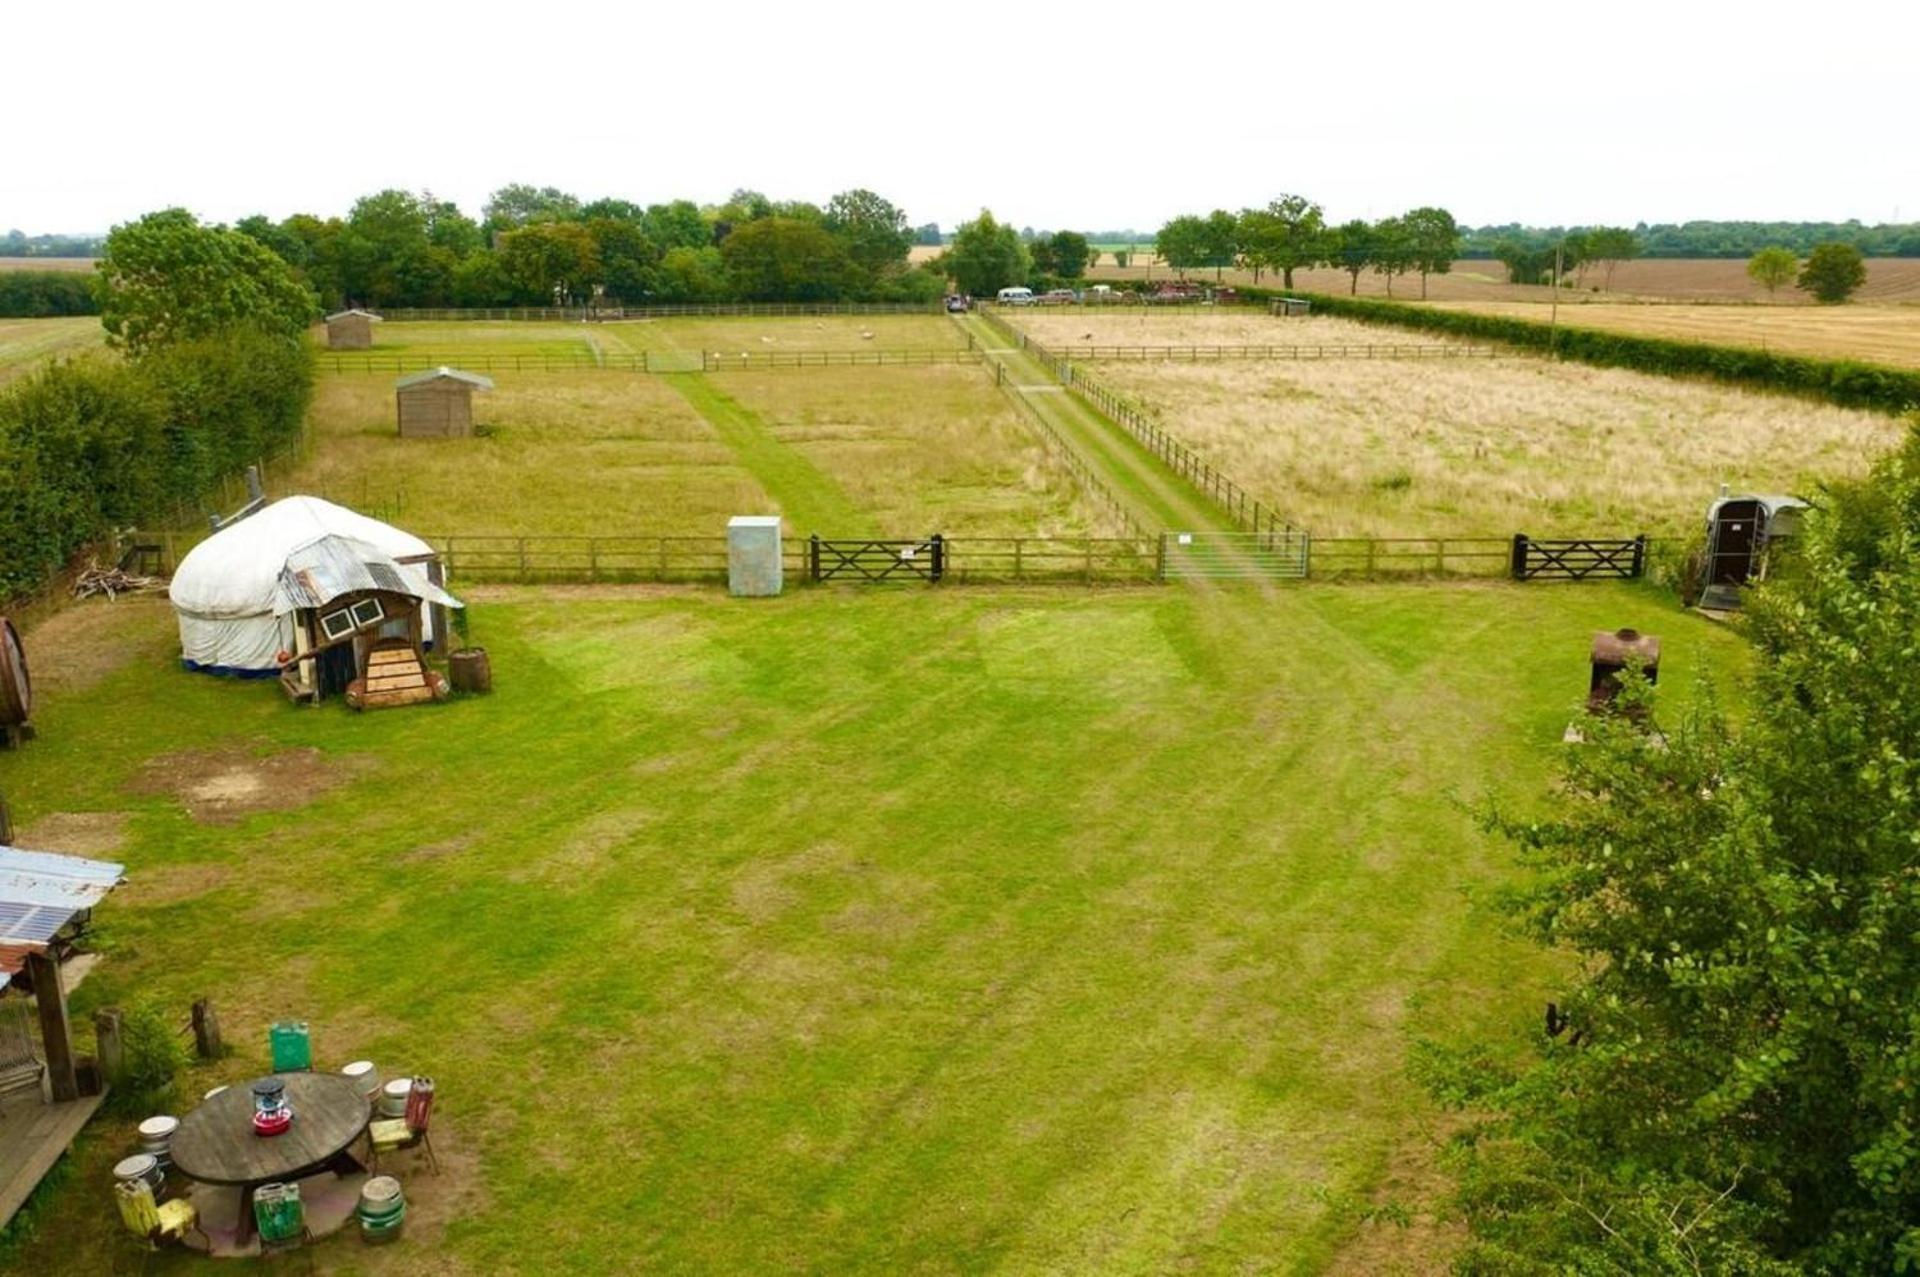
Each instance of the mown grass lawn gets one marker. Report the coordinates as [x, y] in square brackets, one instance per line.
[915, 931]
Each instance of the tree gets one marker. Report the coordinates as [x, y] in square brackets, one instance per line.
[1608, 246]
[1393, 252]
[1832, 273]
[1285, 236]
[1433, 241]
[680, 224]
[1728, 1083]
[1529, 260]
[1069, 251]
[1221, 240]
[787, 259]
[379, 247]
[874, 231]
[1183, 242]
[628, 259]
[612, 210]
[986, 256]
[1350, 247]
[927, 236]
[693, 275]
[518, 204]
[1772, 267]
[167, 278]
[551, 263]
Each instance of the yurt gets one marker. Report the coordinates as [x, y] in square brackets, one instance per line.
[326, 600]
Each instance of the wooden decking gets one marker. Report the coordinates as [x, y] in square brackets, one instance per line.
[33, 1134]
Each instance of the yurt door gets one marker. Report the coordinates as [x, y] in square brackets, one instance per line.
[1736, 538]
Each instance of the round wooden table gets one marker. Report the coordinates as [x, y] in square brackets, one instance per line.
[216, 1144]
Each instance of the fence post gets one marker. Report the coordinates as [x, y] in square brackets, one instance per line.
[1019, 545]
[593, 558]
[1639, 555]
[1160, 559]
[1519, 561]
[813, 556]
[523, 558]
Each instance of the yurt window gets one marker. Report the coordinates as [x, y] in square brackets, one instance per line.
[337, 625]
[368, 612]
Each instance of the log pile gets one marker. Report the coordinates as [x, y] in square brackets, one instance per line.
[112, 582]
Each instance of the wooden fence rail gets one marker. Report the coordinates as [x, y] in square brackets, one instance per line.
[1218, 354]
[602, 314]
[649, 361]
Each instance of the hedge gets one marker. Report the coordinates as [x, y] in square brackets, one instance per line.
[40, 294]
[1841, 381]
[93, 443]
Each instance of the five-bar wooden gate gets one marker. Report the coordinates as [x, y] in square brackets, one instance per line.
[865, 560]
[1577, 559]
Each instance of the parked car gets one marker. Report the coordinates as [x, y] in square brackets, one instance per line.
[1058, 297]
[1015, 296]
[958, 302]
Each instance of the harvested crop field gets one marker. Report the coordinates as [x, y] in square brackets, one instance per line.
[48, 263]
[1065, 328]
[1889, 279]
[1492, 447]
[1877, 334]
[26, 343]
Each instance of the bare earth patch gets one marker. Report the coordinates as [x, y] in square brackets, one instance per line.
[170, 884]
[78, 646]
[76, 833]
[219, 786]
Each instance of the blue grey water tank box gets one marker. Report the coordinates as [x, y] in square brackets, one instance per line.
[753, 555]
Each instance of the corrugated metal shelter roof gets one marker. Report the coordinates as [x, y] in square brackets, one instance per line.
[326, 568]
[444, 373]
[40, 892]
[342, 314]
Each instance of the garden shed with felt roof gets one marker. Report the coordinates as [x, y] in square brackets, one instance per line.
[438, 403]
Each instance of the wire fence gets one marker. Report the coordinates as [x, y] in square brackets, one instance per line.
[1218, 354]
[1248, 511]
[604, 314]
[650, 361]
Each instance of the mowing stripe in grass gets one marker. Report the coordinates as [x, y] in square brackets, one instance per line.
[807, 496]
[1158, 496]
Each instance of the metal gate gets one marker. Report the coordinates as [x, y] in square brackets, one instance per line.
[1576, 559]
[849, 560]
[1234, 556]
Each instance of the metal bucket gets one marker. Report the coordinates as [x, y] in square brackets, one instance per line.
[393, 1097]
[144, 1167]
[156, 1138]
[364, 1075]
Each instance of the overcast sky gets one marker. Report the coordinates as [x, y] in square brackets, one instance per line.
[1096, 117]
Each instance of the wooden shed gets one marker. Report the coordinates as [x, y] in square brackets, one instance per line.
[351, 330]
[438, 403]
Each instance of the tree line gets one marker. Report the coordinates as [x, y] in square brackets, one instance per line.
[1292, 233]
[1718, 239]
[542, 246]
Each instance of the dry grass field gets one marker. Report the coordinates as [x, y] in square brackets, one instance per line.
[1205, 326]
[1889, 280]
[1481, 447]
[25, 343]
[48, 263]
[562, 454]
[1879, 334]
[867, 451]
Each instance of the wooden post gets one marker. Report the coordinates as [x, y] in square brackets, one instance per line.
[206, 1031]
[55, 1032]
[107, 1047]
[6, 823]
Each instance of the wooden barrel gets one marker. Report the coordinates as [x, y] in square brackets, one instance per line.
[470, 670]
[16, 689]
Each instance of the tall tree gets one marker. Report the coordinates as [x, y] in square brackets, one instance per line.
[680, 224]
[1350, 247]
[986, 256]
[1772, 267]
[1288, 235]
[1183, 242]
[787, 259]
[874, 231]
[1731, 1078]
[1393, 250]
[1069, 251]
[1433, 241]
[629, 261]
[1608, 246]
[518, 204]
[167, 278]
[551, 262]
[1222, 240]
[1833, 272]
[381, 247]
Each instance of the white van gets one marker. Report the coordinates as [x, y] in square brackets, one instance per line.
[1016, 296]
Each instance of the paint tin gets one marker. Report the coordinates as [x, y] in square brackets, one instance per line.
[393, 1097]
[144, 1167]
[363, 1075]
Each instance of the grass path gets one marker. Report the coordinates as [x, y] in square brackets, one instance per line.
[1158, 497]
[807, 495]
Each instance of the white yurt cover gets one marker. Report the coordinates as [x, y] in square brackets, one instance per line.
[234, 617]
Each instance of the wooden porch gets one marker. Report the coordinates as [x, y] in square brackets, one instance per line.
[34, 1132]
